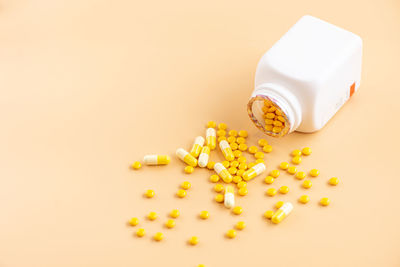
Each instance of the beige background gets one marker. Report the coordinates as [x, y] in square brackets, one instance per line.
[87, 87]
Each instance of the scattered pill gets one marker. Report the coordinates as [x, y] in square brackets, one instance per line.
[242, 184]
[197, 146]
[296, 152]
[140, 232]
[219, 198]
[214, 178]
[174, 213]
[136, 165]
[234, 147]
[231, 139]
[307, 184]
[152, 216]
[188, 169]
[225, 163]
[274, 173]
[271, 192]
[149, 193]
[234, 164]
[218, 188]
[237, 179]
[267, 148]
[259, 155]
[282, 213]
[300, 175]
[134, 221]
[222, 126]
[253, 149]
[186, 185]
[223, 172]
[237, 210]
[156, 159]
[158, 236]
[240, 225]
[221, 133]
[170, 223]
[233, 133]
[237, 153]
[210, 165]
[306, 151]
[262, 142]
[269, 179]
[243, 133]
[204, 214]
[240, 173]
[268, 214]
[260, 161]
[220, 138]
[243, 166]
[232, 170]
[254, 171]
[229, 197]
[314, 172]
[243, 191]
[211, 138]
[211, 124]
[333, 181]
[204, 156]
[186, 157]
[284, 189]
[284, 165]
[231, 233]
[279, 204]
[194, 240]
[296, 160]
[292, 170]
[181, 193]
[304, 199]
[325, 201]
[240, 140]
[242, 147]
[242, 159]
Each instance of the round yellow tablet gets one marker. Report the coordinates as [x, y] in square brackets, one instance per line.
[243, 133]
[296, 152]
[152, 216]
[242, 147]
[269, 179]
[237, 210]
[292, 170]
[222, 126]
[268, 214]
[296, 160]
[325, 201]
[300, 175]
[181, 193]
[136, 165]
[219, 188]
[274, 173]
[233, 133]
[194, 240]
[304, 199]
[240, 225]
[158, 236]
[134, 221]
[210, 165]
[240, 140]
[186, 185]
[204, 214]
[271, 192]
[314, 172]
[253, 149]
[231, 233]
[262, 142]
[234, 146]
[219, 198]
[211, 124]
[214, 178]
[243, 191]
[149, 193]
[284, 189]
[267, 148]
[236, 179]
[241, 184]
[140, 232]
[279, 204]
[170, 223]
[333, 181]
[188, 169]
[307, 184]
[259, 155]
[225, 163]
[306, 151]
[284, 165]
[174, 213]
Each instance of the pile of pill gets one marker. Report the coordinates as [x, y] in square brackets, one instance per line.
[233, 173]
[276, 123]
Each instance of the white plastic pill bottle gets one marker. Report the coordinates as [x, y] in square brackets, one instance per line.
[304, 79]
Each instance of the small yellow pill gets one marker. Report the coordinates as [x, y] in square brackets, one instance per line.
[219, 198]
[306, 151]
[181, 193]
[241, 184]
[260, 160]
[333, 181]
[269, 128]
[242, 159]
[296, 160]
[210, 165]
[237, 210]
[325, 201]
[277, 123]
[222, 126]
[240, 140]
[232, 170]
[277, 129]
[214, 178]
[284, 189]
[136, 165]
[211, 124]
[158, 236]
[279, 204]
[237, 153]
[236, 179]
[267, 148]
[262, 142]
[304, 199]
[272, 109]
[240, 225]
[284, 165]
[268, 214]
[174, 213]
[281, 118]
[307, 184]
[271, 192]
[149, 193]
[234, 147]
[194, 240]
[188, 169]
[204, 214]
[221, 133]
[300, 175]
[152, 216]
[186, 185]
[140, 232]
[314, 172]
[242, 147]
[243, 133]
[218, 188]
[220, 138]
[269, 179]
[201, 265]
[253, 149]
[243, 166]
[274, 173]
[269, 122]
[292, 170]
[134, 221]
[240, 173]
[278, 112]
[234, 164]
[259, 155]
[233, 133]
[170, 223]
[270, 115]
[225, 163]
[231, 233]
[296, 152]
[243, 191]
[231, 139]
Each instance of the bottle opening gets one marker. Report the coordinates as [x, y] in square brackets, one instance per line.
[268, 115]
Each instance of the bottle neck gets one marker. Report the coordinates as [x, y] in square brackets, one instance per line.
[284, 99]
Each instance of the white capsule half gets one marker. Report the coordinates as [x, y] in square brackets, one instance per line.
[229, 198]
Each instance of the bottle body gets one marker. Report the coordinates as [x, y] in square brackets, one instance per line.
[307, 76]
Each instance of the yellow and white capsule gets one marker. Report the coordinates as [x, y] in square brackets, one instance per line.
[211, 138]
[254, 171]
[197, 146]
[229, 198]
[226, 150]
[156, 159]
[186, 157]
[204, 156]
[282, 212]
[223, 172]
